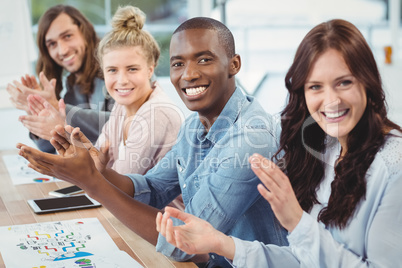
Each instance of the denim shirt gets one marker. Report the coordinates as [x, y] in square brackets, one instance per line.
[212, 172]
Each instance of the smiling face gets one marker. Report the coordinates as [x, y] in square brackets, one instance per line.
[334, 97]
[127, 76]
[65, 43]
[201, 71]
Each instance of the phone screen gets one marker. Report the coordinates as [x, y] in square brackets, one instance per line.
[62, 203]
[66, 191]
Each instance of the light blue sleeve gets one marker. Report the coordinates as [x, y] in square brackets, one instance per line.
[311, 245]
[256, 254]
[160, 185]
[314, 245]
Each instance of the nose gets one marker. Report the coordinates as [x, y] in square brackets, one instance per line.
[62, 47]
[331, 98]
[122, 79]
[190, 72]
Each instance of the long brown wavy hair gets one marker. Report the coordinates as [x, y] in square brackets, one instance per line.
[89, 68]
[301, 135]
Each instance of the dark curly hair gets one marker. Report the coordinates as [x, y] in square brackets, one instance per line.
[301, 136]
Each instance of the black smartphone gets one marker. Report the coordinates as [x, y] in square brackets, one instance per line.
[46, 205]
[66, 191]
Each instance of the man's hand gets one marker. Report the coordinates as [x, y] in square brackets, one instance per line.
[62, 143]
[19, 91]
[44, 117]
[30, 82]
[75, 166]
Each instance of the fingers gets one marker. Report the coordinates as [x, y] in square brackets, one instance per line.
[104, 149]
[31, 121]
[12, 90]
[47, 85]
[265, 193]
[62, 137]
[81, 139]
[35, 104]
[166, 228]
[158, 221]
[76, 139]
[38, 162]
[53, 111]
[175, 213]
[30, 81]
[53, 82]
[15, 94]
[56, 144]
[62, 109]
[268, 172]
[24, 89]
[170, 234]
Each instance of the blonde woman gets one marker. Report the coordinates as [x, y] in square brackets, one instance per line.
[144, 123]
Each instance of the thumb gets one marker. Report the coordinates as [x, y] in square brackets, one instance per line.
[47, 85]
[62, 109]
[53, 82]
[76, 138]
[104, 149]
[84, 141]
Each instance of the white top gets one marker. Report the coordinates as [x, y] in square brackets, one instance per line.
[373, 238]
[152, 132]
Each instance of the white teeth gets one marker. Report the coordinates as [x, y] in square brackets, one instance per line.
[333, 115]
[68, 58]
[123, 90]
[195, 91]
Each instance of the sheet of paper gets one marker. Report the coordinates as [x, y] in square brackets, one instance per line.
[73, 243]
[20, 173]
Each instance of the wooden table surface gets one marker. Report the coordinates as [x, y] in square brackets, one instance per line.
[14, 210]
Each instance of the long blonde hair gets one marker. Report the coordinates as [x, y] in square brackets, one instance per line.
[127, 30]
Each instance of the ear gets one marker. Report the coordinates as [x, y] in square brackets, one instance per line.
[151, 70]
[234, 65]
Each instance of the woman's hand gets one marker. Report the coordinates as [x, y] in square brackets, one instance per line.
[196, 236]
[277, 191]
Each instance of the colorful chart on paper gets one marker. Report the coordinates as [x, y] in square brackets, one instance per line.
[76, 243]
[20, 173]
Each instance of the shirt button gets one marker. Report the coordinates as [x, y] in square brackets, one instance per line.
[184, 186]
[181, 169]
[213, 257]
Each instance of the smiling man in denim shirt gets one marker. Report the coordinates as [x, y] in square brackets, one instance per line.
[209, 163]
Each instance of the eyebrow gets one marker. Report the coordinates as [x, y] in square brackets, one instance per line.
[338, 78]
[61, 34]
[196, 55]
[128, 66]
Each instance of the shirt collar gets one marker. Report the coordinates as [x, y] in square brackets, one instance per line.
[225, 120]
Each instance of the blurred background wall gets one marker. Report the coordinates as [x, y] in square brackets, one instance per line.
[267, 33]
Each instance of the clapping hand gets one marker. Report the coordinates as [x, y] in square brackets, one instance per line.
[61, 141]
[43, 116]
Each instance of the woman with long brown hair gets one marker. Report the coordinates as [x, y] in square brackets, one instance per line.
[337, 190]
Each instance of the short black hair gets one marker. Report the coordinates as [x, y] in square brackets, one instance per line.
[225, 36]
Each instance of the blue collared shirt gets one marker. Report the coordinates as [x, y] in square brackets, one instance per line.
[212, 172]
